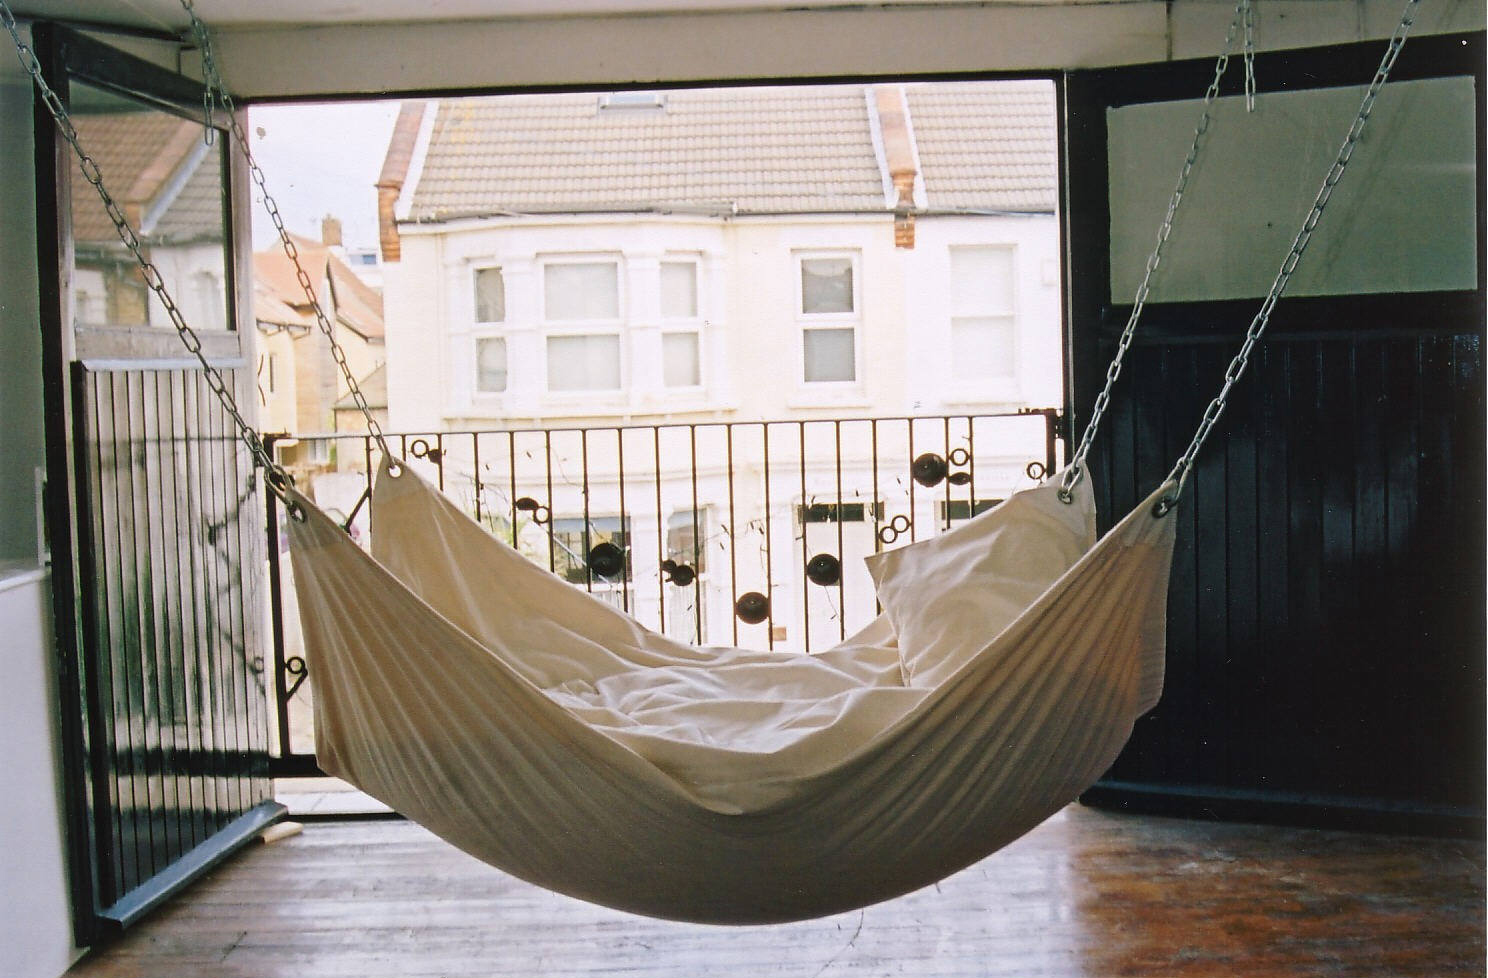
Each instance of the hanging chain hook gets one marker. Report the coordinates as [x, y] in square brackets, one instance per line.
[1076, 468]
[280, 482]
[217, 92]
[1184, 465]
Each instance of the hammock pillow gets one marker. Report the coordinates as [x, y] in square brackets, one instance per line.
[948, 595]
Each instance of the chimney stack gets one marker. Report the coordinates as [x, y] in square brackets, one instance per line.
[899, 157]
[394, 171]
[330, 231]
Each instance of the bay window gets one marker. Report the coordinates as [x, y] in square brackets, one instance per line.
[490, 344]
[582, 320]
[680, 337]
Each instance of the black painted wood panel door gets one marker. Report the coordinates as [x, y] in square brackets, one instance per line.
[1326, 618]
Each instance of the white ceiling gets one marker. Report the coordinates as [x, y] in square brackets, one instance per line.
[167, 14]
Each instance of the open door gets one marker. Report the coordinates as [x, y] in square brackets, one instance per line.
[151, 500]
[1326, 618]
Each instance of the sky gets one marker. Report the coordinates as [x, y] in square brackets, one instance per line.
[321, 159]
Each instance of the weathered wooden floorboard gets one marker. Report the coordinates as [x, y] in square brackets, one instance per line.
[1086, 894]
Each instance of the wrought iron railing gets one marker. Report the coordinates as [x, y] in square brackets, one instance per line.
[726, 533]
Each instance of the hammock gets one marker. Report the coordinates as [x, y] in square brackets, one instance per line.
[543, 731]
[549, 734]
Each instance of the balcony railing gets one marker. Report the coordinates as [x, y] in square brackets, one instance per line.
[729, 533]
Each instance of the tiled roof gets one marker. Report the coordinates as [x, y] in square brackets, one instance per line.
[986, 145]
[747, 151]
[138, 155]
[277, 288]
[765, 150]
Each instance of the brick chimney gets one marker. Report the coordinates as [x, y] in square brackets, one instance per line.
[330, 231]
[899, 157]
[394, 172]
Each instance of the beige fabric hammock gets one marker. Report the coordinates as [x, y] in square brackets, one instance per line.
[556, 738]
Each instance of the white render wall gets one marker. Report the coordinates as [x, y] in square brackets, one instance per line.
[749, 295]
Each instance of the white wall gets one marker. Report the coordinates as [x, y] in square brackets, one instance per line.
[35, 922]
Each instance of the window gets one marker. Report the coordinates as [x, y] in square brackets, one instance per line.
[572, 543]
[983, 320]
[490, 345]
[581, 304]
[490, 296]
[490, 364]
[829, 315]
[683, 529]
[836, 513]
[962, 509]
[680, 341]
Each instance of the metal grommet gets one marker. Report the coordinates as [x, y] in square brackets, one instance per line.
[1163, 506]
[394, 468]
[296, 512]
[1065, 496]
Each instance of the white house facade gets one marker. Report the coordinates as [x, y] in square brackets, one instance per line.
[651, 281]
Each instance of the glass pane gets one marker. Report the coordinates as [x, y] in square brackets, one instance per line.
[574, 540]
[679, 289]
[582, 290]
[490, 364]
[981, 281]
[679, 360]
[826, 285]
[583, 363]
[829, 355]
[170, 183]
[490, 296]
[1403, 219]
[982, 347]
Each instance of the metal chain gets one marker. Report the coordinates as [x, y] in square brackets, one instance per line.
[278, 479]
[217, 93]
[1179, 475]
[1076, 468]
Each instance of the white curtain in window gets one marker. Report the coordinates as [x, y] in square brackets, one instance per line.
[490, 296]
[829, 355]
[678, 289]
[584, 363]
[826, 285]
[679, 360]
[582, 290]
[490, 364]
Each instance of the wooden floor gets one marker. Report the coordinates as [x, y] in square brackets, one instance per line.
[1087, 894]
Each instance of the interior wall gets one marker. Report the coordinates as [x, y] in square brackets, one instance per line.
[35, 923]
[20, 333]
[301, 60]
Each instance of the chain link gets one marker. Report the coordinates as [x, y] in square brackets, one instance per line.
[1179, 475]
[278, 479]
[217, 94]
[1076, 468]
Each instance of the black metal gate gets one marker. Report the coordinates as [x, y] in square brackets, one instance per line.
[151, 503]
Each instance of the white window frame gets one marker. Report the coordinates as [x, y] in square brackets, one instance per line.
[695, 324]
[482, 330]
[992, 388]
[550, 328]
[828, 320]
